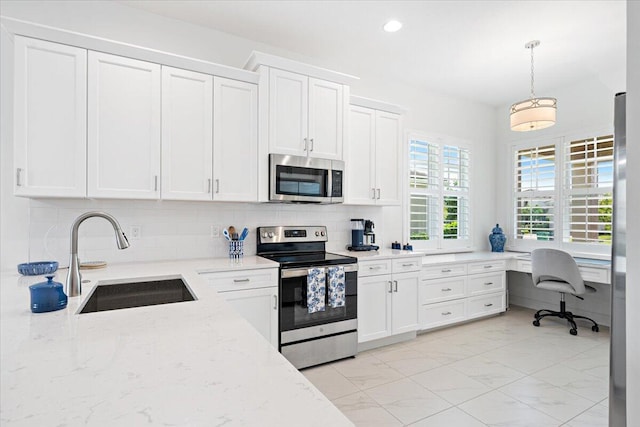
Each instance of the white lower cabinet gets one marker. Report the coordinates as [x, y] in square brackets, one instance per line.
[254, 295]
[387, 302]
[456, 292]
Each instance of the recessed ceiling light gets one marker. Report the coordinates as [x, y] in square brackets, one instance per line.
[392, 26]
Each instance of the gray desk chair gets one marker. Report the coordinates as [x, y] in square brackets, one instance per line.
[556, 270]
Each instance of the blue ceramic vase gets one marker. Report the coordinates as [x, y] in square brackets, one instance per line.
[497, 239]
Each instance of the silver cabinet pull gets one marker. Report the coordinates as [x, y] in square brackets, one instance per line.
[446, 270]
[375, 267]
[446, 289]
[407, 265]
[155, 183]
[305, 145]
[488, 266]
[217, 186]
[373, 193]
[396, 283]
[446, 313]
[488, 283]
[241, 280]
[209, 185]
[18, 172]
[275, 302]
[311, 140]
[378, 190]
[390, 286]
[488, 305]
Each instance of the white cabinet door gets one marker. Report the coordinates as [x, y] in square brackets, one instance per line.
[288, 112]
[123, 127]
[388, 158]
[187, 135]
[235, 140]
[50, 119]
[326, 117]
[360, 156]
[374, 307]
[260, 308]
[404, 305]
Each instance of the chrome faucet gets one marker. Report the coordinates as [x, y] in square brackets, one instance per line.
[74, 278]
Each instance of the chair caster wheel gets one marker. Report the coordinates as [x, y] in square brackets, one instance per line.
[573, 331]
[536, 323]
[595, 328]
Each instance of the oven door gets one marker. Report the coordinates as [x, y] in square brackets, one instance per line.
[294, 311]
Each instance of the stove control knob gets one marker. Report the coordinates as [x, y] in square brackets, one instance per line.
[322, 233]
[271, 234]
[317, 233]
[264, 235]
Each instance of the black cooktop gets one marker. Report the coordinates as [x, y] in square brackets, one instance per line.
[311, 259]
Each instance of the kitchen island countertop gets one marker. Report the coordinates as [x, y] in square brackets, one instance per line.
[195, 363]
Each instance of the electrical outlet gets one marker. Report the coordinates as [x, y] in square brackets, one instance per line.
[135, 232]
[215, 231]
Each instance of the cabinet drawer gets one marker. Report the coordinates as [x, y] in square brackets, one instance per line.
[437, 290]
[238, 280]
[484, 283]
[436, 272]
[406, 264]
[589, 274]
[486, 304]
[374, 268]
[433, 315]
[598, 275]
[523, 266]
[485, 267]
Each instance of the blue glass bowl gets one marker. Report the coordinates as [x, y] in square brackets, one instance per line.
[37, 268]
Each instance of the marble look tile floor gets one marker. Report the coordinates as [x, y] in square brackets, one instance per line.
[500, 371]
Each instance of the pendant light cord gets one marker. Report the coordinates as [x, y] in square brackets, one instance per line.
[533, 95]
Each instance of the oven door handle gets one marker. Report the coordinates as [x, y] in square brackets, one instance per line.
[299, 272]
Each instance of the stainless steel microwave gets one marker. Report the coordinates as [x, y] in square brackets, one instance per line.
[305, 179]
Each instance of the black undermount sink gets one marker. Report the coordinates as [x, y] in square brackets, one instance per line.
[137, 293]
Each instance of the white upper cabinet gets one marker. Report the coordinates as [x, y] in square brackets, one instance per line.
[306, 115]
[388, 158]
[288, 112]
[373, 160]
[361, 156]
[123, 127]
[235, 140]
[187, 135]
[326, 119]
[50, 119]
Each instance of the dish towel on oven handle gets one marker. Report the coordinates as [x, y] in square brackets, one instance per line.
[336, 286]
[316, 290]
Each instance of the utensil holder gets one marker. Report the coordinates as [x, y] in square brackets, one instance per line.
[236, 249]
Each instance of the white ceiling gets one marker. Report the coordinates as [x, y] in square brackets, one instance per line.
[469, 49]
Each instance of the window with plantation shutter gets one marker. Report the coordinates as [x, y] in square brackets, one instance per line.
[424, 190]
[588, 190]
[563, 193]
[534, 196]
[438, 193]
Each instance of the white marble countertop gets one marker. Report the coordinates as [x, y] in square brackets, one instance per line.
[381, 254]
[469, 257]
[194, 363]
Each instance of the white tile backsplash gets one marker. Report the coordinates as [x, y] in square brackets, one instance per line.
[170, 230]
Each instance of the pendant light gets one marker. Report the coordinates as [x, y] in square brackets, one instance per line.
[536, 112]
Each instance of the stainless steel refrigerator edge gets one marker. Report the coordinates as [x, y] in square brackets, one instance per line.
[617, 359]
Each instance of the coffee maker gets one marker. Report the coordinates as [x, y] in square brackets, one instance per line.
[362, 235]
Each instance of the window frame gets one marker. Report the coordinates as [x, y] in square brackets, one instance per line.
[438, 244]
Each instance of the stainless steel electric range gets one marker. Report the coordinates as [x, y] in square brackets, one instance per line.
[318, 309]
